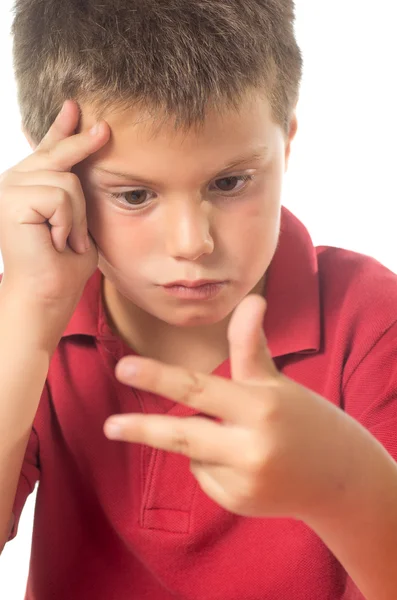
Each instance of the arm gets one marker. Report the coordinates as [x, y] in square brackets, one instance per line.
[23, 370]
[48, 258]
[363, 532]
[359, 524]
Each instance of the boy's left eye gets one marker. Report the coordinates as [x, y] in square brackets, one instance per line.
[228, 184]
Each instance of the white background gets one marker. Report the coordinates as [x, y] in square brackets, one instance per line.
[342, 180]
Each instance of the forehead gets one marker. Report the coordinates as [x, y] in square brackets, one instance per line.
[252, 110]
[137, 134]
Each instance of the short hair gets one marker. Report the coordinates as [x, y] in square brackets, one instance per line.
[170, 57]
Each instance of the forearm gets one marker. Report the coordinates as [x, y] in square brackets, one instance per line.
[359, 524]
[23, 371]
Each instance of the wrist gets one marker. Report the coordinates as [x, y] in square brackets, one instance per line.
[342, 475]
[27, 323]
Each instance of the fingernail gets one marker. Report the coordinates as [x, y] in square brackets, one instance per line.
[128, 369]
[113, 430]
[94, 130]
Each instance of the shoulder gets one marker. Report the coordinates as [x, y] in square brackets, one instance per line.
[358, 288]
[359, 308]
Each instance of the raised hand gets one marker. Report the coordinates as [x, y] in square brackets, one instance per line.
[270, 449]
[47, 252]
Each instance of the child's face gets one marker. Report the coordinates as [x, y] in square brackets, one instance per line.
[187, 215]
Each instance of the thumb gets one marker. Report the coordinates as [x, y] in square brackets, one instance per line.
[249, 355]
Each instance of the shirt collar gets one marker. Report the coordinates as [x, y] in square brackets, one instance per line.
[85, 319]
[292, 321]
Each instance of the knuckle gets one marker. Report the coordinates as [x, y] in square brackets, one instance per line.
[72, 181]
[255, 457]
[268, 408]
[61, 196]
[180, 442]
[193, 391]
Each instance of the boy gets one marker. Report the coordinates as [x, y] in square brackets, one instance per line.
[235, 467]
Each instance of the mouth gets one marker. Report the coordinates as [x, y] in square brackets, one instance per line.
[200, 289]
[192, 284]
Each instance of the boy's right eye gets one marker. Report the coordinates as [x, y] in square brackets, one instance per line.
[132, 197]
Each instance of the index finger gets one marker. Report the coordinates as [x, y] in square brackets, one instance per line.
[60, 150]
[64, 125]
[209, 394]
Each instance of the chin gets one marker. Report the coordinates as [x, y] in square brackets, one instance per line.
[192, 318]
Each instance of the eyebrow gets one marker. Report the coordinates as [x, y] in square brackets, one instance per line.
[259, 154]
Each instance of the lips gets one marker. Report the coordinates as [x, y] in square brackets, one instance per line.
[198, 290]
[192, 284]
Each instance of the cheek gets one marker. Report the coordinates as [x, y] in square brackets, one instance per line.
[116, 233]
[251, 228]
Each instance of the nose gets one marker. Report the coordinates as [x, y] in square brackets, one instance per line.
[188, 233]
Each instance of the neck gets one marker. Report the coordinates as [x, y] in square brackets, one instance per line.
[202, 348]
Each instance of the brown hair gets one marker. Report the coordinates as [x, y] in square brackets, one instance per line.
[170, 56]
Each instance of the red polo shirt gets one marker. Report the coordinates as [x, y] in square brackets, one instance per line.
[116, 521]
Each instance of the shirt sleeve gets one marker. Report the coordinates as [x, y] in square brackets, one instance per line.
[30, 475]
[370, 395]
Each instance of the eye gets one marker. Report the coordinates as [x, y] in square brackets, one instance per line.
[230, 184]
[138, 197]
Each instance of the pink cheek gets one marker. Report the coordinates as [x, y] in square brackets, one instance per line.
[254, 212]
[119, 234]
[250, 218]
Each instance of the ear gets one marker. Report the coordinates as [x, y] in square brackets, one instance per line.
[293, 128]
[28, 138]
